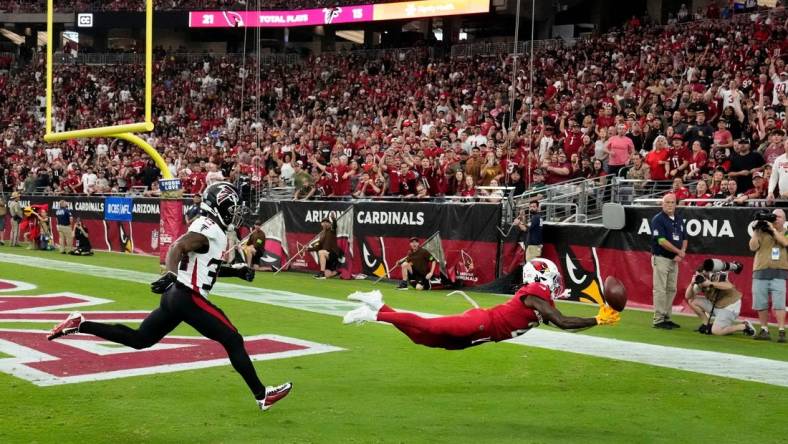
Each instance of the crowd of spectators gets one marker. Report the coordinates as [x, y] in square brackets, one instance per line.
[686, 102]
[38, 6]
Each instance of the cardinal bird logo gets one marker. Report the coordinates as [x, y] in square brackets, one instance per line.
[373, 251]
[581, 277]
[126, 243]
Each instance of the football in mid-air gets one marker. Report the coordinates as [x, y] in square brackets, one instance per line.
[615, 293]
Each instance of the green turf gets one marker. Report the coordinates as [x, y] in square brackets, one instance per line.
[383, 388]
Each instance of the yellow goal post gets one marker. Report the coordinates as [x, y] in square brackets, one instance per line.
[123, 132]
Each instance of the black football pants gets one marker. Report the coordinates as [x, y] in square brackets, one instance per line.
[180, 304]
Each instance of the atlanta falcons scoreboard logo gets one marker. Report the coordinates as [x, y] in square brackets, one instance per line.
[330, 14]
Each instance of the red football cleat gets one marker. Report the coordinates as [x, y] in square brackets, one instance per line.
[67, 327]
[274, 394]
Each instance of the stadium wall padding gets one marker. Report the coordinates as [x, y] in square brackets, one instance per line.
[140, 235]
[381, 230]
[586, 254]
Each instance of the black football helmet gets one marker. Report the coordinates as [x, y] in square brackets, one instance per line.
[221, 202]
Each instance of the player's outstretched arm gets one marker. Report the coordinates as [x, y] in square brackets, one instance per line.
[552, 315]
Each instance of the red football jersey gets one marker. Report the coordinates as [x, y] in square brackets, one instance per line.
[513, 318]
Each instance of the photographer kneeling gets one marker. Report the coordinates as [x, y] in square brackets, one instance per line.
[711, 295]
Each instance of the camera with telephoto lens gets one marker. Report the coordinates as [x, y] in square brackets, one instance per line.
[716, 266]
[712, 265]
[762, 219]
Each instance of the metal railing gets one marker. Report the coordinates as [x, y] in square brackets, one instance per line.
[395, 53]
[729, 202]
[139, 59]
[582, 200]
[490, 49]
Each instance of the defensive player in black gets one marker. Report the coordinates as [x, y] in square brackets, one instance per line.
[193, 263]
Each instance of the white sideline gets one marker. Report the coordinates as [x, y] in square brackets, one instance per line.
[745, 368]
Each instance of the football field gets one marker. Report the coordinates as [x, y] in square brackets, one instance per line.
[364, 383]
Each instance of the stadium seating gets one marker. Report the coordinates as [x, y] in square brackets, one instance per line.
[408, 119]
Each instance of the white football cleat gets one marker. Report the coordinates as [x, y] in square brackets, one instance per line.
[374, 298]
[360, 315]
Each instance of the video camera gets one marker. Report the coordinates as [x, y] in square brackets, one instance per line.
[712, 265]
[762, 220]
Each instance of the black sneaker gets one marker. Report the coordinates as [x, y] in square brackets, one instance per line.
[402, 285]
[664, 325]
[703, 329]
[749, 330]
[763, 335]
[320, 275]
[673, 324]
[781, 337]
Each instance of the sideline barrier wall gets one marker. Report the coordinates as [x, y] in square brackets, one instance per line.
[586, 254]
[130, 228]
[381, 230]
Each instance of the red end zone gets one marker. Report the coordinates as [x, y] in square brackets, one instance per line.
[82, 358]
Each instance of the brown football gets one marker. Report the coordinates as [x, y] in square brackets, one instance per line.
[615, 293]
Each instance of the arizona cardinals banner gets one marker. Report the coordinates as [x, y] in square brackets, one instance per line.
[140, 235]
[276, 252]
[381, 230]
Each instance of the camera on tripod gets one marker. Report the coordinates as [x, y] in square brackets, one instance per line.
[762, 220]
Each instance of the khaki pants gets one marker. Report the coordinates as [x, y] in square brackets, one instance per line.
[65, 238]
[533, 251]
[665, 277]
[14, 233]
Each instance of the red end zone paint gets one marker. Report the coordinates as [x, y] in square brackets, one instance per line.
[71, 360]
[55, 307]
[7, 285]
[82, 358]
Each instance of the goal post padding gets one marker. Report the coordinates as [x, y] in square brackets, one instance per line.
[171, 223]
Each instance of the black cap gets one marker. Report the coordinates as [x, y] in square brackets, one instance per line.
[413, 238]
[325, 219]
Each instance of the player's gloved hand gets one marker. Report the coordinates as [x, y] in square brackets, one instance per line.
[607, 316]
[163, 283]
[239, 270]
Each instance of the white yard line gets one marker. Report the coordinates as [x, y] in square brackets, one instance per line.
[745, 368]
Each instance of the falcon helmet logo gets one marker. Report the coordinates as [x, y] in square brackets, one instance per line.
[226, 192]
